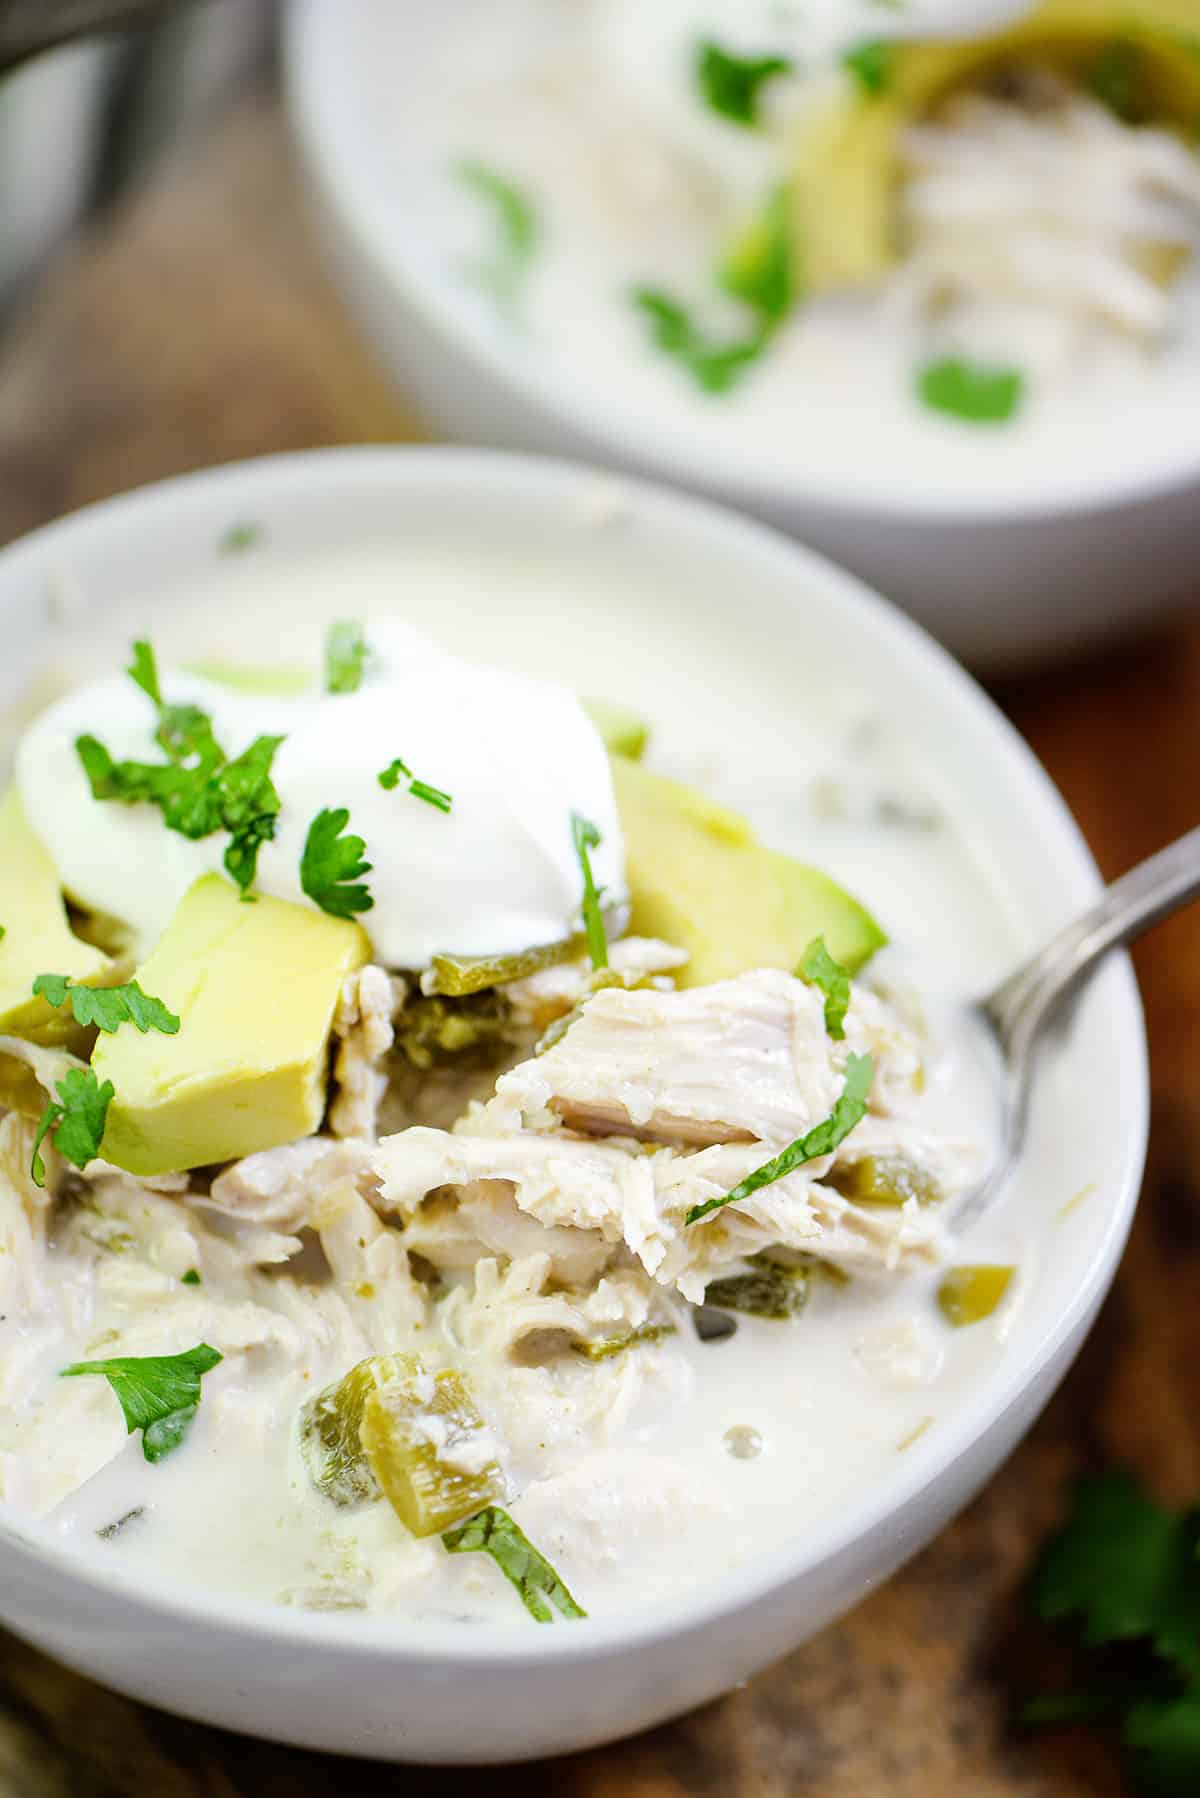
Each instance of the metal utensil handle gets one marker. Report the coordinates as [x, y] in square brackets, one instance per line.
[1131, 905]
[29, 26]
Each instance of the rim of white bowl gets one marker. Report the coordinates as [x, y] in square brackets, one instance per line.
[198, 506]
[334, 133]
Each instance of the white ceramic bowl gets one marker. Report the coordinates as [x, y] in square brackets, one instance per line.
[373, 1686]
[1001, 582]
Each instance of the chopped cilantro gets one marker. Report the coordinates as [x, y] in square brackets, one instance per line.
[389, 780]
[494, 1533]
[732, 85]
[762, 269]
[77, 1120]
[239, 537]
[586, 838]
[197, 789]
[502, 272]
[871, 62]
[821, 1140]
[159, 1394]
[1117, 78]
[970, 391]
[346, 657]
[713, 365]
[820, 970]
[331, 862]
[191, 1278]
[107, 1007]
[1126, 1572]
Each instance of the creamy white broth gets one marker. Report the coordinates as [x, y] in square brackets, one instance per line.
[591, 111]
[627, 1508]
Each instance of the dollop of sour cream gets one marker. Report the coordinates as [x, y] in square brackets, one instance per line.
[495, 874]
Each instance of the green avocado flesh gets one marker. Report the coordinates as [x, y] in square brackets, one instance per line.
[699, 878]
[37, 937]
[847, 160]
[255, 987]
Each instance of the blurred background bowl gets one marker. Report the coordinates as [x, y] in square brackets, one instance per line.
[1001, 583]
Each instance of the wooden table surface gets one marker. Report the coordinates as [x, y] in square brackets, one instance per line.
[195, 327]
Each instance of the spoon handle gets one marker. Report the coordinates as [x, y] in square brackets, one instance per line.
[1141, 898]
[30, 26]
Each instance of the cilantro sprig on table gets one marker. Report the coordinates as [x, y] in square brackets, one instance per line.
[732, 85]
[332, 865]
[848, 1112]
[494, 1533]
[108, 1007]
[159, 1394]
[198, 789]
[1125, 1572]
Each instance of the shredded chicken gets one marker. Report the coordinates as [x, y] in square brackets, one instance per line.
[364, 1031]
[282, 1188]
[539, 1000]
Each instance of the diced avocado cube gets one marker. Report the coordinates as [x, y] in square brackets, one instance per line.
[698, 877]
[254, 986]
[37, 937]
[623, 732]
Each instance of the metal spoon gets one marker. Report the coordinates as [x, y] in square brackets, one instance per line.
[29, 26]
[1015, 1014]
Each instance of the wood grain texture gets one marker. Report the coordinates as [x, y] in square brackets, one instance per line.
[197, 327]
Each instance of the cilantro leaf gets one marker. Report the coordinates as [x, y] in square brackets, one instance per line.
[197, 789]
[732, 85]
[871, 63]
[1125, 1568]
[761, 271]
[821, 1140]
[494, 1533]
[503, 271]
[77, 1120]
[159, 1394]
[820, 970]
[330, 861]
[586, 838]
[144, 671]
[346, 657]
[239, 537]
[107, 1007]
[1163, 1735]
[713, 365]
[970, 391]
[389, 780]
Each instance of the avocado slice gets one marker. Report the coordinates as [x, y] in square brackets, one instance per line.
[255, 986]
[699, 877]
[622, 731]
[37, 937]
[847, 158]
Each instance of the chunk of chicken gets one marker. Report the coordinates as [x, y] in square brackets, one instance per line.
[282, 1188]
[364, 1032]
[744, 1060]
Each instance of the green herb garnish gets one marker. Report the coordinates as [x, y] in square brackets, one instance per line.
[1126, 1573]
[586, 838]
[970, 391]
[346, 656]
[331, 861]
[108, 1007]
[820, 970]
[197, 789]
[732, 85]
[390, 777]
[761, 270]
[159, 1394]
[493, 1532]
[503, 271]
[713, 365]
[77, 1120]
[239, 537]
[821, 1140]
[191, 1278]
[871, 63]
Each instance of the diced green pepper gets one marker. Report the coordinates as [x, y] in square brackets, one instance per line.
[428, 1448]
[967, 1295]
[883, 1180]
